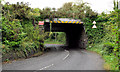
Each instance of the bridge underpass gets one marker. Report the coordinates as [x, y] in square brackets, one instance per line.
[74, 29]
[60, 58]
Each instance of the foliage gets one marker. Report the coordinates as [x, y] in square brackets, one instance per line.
[19, 29]
[21, 32]
[35, 35]
[11, 33]
[111, 61]
[69, 10]
[57, 37]
[108, 38]
[61, 37]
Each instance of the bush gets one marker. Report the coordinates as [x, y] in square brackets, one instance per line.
[108, 41]
[11, 33]
[108, 48]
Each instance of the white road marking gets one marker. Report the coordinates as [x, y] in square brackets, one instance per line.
[45, 67]
[53, 64]
[66, 55]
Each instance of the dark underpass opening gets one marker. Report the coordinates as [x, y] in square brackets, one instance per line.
[75, 33]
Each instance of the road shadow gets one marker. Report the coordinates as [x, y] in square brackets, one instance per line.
[54, 47]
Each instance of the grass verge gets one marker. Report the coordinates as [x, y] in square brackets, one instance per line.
[53, 42]
[111, 61]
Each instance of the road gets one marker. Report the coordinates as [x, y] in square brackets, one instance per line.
[60, 59]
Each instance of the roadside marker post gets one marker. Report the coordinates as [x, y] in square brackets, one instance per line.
[94, 26]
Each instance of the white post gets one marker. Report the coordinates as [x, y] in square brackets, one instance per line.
[94, 26]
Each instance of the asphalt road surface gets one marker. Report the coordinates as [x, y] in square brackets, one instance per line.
[58, 58]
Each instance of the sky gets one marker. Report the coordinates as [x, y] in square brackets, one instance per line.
[96, 5]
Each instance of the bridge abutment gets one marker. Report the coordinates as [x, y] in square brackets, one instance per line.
[76, 38]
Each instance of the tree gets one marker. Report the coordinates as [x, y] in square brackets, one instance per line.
[115, 4]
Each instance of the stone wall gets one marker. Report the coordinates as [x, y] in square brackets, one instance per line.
[76, 37]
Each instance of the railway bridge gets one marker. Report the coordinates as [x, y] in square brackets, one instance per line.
[74, 29]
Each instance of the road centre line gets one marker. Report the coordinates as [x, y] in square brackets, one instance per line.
[66, 55]
[53, 64]
[45, 67]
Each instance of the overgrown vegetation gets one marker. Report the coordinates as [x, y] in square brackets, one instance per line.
[106, 40]
[21, 33]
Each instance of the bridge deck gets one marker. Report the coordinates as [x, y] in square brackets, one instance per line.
[63, 24]
[68, 22]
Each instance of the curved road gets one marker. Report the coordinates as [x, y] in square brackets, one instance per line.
[59, 59]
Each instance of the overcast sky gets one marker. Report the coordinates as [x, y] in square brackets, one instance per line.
[96, 5]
